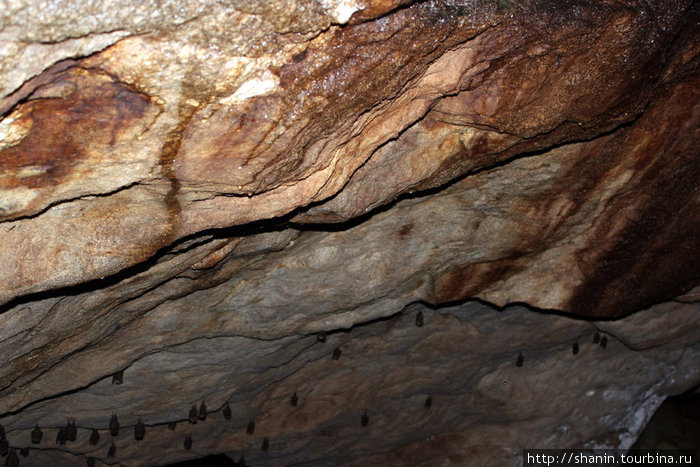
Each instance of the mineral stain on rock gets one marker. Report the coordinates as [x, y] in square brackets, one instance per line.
[73, 120]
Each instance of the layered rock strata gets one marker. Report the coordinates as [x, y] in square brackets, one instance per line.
[191, 194]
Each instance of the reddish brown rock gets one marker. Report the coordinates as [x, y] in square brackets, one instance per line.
[356, 115]
[640, 212]
[69, 129]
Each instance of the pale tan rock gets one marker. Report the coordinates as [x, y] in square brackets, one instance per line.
[245, 120]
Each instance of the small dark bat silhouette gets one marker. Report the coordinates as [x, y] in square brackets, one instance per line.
[118, 377]
[419, 319]
[94, 437]
[139, 430]
[202, 415]
[37, 434]
[365, 419]
[114, 425]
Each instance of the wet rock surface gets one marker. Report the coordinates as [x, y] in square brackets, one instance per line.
[190, 197]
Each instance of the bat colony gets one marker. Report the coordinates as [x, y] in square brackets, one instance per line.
[69, 431]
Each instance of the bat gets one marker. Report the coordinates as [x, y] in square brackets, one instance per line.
[114, 425]
[94, 437]
[37, 434]
[202, 411]
[419, 319]
[193, 414]
[118, 377]
[139, 431]
[61, 436]
[71, 430]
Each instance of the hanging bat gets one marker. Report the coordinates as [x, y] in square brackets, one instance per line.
[4, 446]
[114, 425]
[61, 436]
[118, 377]
[37, 434]
[94, 437]
[12, 459]
[139, 430]
[202, 411]
[419, 319]
[71, 430]
[193, 414]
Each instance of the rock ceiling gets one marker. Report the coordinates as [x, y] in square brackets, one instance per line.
[231, 203]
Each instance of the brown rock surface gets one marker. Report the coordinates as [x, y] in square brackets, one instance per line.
[190, 193]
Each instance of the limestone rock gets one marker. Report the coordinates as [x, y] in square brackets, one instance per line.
[189, 194]
[485, 409]
[224, 127]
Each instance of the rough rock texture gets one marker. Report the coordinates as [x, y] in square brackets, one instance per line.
[191, 193]
[484, 409]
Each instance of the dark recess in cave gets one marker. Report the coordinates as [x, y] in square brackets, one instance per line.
[674, 425]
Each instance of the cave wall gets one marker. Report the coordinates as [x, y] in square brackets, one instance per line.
[190, 194]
